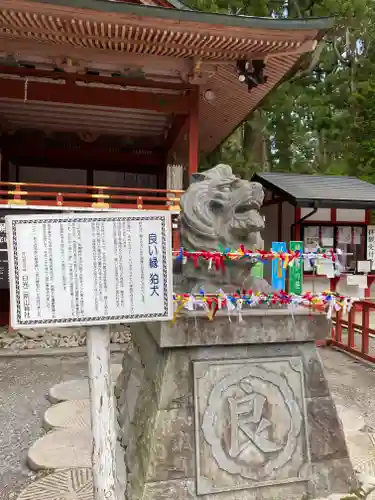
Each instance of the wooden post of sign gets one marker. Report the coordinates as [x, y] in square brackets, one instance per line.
[103, 421]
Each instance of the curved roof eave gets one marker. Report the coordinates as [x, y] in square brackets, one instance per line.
[185, 14]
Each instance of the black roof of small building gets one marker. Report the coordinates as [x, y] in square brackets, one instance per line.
[319, 191]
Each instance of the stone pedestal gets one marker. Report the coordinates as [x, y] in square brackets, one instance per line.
[231, 410]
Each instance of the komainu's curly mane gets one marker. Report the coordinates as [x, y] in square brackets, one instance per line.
[221, 210]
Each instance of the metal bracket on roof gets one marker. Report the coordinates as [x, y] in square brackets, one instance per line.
[251, 72]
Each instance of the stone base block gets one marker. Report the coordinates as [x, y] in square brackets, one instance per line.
[231, 421]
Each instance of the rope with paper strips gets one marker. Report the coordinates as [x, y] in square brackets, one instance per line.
[236, 302]
[225, 256]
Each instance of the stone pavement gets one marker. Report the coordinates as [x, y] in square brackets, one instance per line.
[25, 383]
[352, 383]
[353, 388]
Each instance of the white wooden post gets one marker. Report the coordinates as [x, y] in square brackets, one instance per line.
[103, 416]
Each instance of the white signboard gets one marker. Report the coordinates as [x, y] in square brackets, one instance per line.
[90, 269]
[371, 245]
[359, 280]
[364, 266]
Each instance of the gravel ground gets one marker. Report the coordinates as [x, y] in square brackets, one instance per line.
[352, 383]
[24, 384]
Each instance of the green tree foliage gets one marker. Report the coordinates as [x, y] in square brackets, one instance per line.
[323, 120]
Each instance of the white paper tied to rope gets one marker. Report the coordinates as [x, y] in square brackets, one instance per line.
[337, 306]
[190, 303]
[295, 302]
[220, 302]
[332, 304]
[292, 307]
[239, 310]
[230, 306]
[351, 302]
[348, 304]
[345, 305]
[202, 304]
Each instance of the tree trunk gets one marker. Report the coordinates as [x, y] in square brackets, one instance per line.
[254, 145]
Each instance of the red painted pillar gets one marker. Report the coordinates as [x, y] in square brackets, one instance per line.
[333, 215]
[368, 217]
[333, 282]
[176, 243]
[193, 132]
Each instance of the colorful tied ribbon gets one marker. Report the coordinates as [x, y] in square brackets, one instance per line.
[224, 256]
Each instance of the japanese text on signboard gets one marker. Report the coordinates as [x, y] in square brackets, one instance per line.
[154, 264]
[371, 245]
[86, 269]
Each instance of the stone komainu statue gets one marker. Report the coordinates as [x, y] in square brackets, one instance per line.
[221, 210]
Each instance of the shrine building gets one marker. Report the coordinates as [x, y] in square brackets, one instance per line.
[108, 105]
[324, 211]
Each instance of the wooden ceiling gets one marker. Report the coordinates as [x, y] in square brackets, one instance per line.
[95, 40]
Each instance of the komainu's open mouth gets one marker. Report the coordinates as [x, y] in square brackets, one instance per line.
[243, 208]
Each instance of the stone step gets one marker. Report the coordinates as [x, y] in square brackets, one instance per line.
[70, 449]
[73, 414]
[78, 388]
[61, 449]
[70, 484]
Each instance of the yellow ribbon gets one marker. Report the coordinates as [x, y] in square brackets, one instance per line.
[286, 261]
[210, 314]
[279, 268]
[179, 309]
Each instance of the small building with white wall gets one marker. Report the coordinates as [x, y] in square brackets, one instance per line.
[330, 212]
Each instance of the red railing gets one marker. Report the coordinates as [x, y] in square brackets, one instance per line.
[78, 195]
[355, 333]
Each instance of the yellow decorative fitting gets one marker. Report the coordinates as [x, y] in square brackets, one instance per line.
[100, 205]
[17, 202]
[104, 196]
[18, 193]
[175, 208]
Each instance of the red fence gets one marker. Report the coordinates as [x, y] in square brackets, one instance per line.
[77, 195]
[353, 333]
